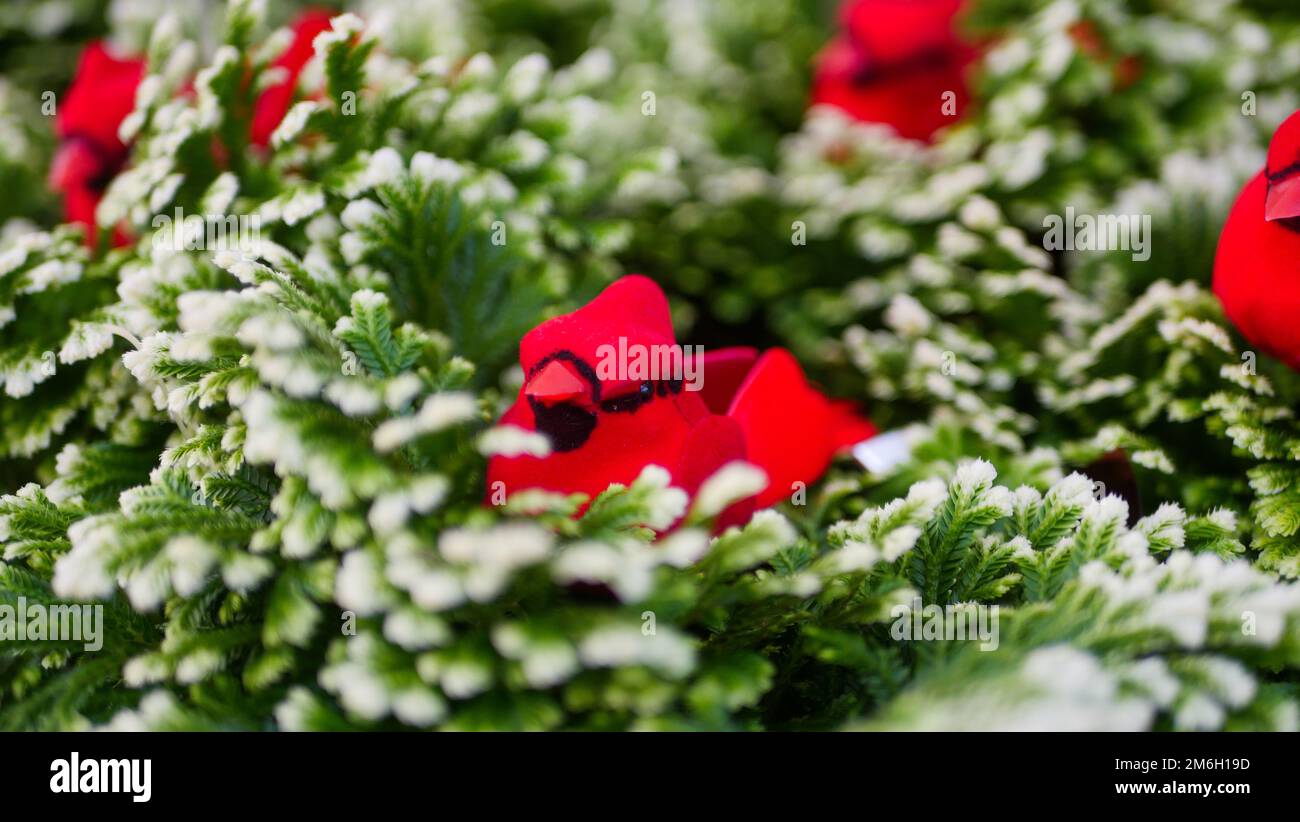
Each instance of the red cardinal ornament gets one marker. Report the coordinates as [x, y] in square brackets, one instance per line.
[1257, 266]
[102, 94]
[604, 429]
[893, 63]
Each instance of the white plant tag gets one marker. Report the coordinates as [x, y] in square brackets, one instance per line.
[884, 452]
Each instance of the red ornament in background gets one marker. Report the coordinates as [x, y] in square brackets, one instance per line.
[749, 406]
[274, 102]
[1257, 266]
[102, 94]
[893, 62]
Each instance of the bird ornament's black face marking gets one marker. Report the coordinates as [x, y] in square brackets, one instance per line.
[569, 423]
[104, 166]
[872, 72]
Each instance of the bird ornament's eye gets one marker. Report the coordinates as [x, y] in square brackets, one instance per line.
[627, 395]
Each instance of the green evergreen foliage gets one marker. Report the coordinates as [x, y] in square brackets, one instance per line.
[267, 464]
